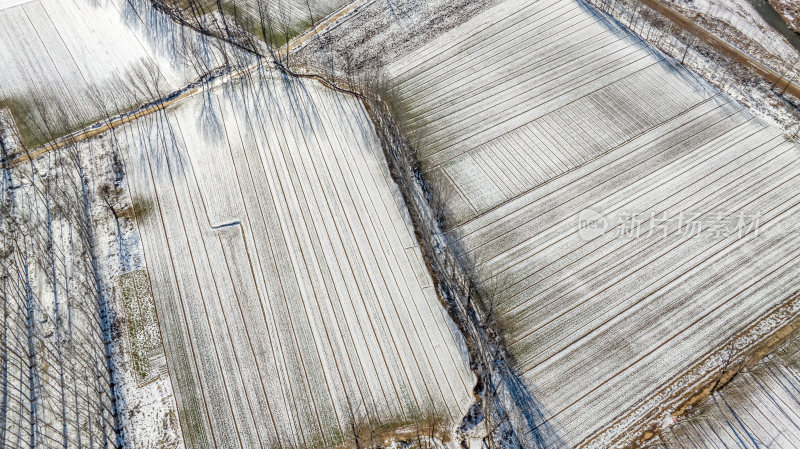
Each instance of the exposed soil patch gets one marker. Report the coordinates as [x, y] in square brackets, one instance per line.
[789, 11]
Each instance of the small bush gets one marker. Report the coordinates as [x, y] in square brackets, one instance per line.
[140, 209]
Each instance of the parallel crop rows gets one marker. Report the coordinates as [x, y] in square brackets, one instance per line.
[757, 409]
[86, 60]
[535, 112]
[477, 120]
[297, 14]
[294, 304]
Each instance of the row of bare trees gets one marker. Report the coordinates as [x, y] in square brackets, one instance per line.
[57, 366]
[687, 47]
[58, 372]
[258, 27]
[746, 385]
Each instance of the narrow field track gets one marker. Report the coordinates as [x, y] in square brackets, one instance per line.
[67, 64]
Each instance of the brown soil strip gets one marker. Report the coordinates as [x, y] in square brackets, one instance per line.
[84, 135]
[89, 132]
[684, 401]
[723, 47]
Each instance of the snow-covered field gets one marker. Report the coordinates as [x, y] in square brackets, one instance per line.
[479, 107]
[9, 3]
[544, 116]
[757, 409]
[627, 220]
[54, 374]
[65, 261]
[293, 12]
[83, 59]
[293, 300]
[739, 23]
[375, 33]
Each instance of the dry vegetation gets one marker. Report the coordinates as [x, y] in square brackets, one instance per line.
[291, 266]
[790, 11]
[757, 407]
[564, 127]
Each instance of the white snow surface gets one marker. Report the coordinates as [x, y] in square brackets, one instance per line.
[148, 412]
[9, 3]
[757, 95]
[758, 407]
[85, 58]
[537, 111]
[293, 300]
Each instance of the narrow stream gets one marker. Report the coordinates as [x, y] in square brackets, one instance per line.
[766, 11]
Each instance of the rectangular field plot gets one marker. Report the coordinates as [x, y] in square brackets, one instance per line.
[528, 91]
[86, 59]
[542, 115]
[294, 304]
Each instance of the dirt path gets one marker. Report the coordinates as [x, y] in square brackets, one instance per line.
[321, 26]
[102, 126]
[92, 131]
[676, 17]
[724, 47]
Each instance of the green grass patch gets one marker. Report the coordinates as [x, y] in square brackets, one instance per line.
[206, 5]
[144, 339]
[276, 37]
[140, 209]
[44, 121]
[282, 37]
[32, 135]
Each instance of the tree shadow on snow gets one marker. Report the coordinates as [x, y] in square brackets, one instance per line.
[667, 62]
[185, 49]
[209, 122]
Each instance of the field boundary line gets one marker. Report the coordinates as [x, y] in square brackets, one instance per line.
[683, 400]
[522, 207]
[720, 44]
[674, 336]
[561, 237]
[713, 250]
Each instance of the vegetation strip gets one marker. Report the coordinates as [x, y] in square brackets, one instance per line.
[724, 47]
